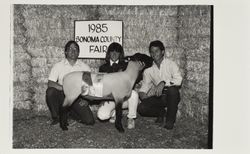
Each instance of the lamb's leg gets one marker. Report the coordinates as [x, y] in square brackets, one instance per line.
[118, 121]
[63, 115]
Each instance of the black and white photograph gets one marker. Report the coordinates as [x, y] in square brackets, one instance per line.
[112, 76]
[126, 76]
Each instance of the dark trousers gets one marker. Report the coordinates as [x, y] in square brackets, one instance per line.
[155, 106]
[79, 109]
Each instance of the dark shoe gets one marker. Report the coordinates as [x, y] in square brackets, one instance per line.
[169, 125]
[54, 122]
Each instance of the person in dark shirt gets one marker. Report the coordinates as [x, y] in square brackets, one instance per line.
[114, 63]
[114, 60]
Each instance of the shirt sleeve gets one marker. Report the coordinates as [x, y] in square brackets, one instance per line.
[176, 75]
[146, 82]
[54, 73]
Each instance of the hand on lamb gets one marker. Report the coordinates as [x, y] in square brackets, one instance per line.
[159, 88]
[152, 91]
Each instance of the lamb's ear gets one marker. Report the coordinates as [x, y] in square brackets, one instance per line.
[148, 61]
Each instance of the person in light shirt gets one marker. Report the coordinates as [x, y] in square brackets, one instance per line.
[54, 93]
[160, 87]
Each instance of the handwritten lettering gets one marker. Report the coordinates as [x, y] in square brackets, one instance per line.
[97, 39]
[98, 49]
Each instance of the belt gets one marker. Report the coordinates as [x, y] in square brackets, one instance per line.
[167, 87]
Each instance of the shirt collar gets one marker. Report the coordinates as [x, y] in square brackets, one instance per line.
[66, 62]
[111, 62]
[154, 64]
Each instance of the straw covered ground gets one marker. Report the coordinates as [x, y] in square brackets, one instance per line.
[32, 130]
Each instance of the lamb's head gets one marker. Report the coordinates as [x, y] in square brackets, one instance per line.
[143, 60]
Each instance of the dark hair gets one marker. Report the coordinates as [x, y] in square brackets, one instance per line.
[68, 45]
[156, 43]
[115, 47]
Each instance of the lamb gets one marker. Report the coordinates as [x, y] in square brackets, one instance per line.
[99, 86]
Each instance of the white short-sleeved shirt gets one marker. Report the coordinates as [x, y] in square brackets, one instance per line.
[168, 72]
[60, 69]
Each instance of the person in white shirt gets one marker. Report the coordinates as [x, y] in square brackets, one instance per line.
[54, 92]
[160, 87]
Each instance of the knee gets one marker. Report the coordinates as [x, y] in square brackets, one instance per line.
[79, 103]
[173, 90]
[134, 94]
[50, 92]
[102, 115]
[134, 98]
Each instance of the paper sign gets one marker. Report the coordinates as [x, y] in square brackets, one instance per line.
[94, 37]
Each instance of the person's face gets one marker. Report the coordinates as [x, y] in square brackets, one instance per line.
[72, 53]
[114, 55]
[156, 53]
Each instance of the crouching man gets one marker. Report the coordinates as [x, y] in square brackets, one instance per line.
[54, 93]
[160, 87]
